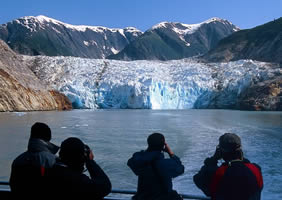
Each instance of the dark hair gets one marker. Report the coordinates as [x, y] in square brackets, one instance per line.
[72, 153]
[40, 131]
[156, 142]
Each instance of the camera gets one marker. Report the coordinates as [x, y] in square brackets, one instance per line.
[86, 151]
[218, 153]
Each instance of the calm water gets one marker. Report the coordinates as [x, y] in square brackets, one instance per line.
[192, 134]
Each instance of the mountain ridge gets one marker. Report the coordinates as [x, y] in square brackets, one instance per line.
[174, 40]
[42, 35]
[262, 43]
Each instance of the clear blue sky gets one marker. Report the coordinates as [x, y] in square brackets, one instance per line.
[143, 14]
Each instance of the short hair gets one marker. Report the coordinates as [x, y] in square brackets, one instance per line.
[156, 142]
[72, 153]
[40, 131]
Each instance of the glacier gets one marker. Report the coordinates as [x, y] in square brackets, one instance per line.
[176, 84]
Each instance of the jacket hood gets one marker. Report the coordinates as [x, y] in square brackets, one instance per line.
[38, 145]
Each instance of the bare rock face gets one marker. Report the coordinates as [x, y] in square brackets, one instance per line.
[265, 95]
[21, 90]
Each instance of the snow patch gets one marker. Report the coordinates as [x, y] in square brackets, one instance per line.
[86, 43]
[82, 28]
[89, 43]
[183, 29]
[121, 31]
[114, 50]
[160, 25]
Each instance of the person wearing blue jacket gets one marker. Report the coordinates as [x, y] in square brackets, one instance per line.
[154, 171]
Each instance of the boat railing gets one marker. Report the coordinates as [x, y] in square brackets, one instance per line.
[115, 191]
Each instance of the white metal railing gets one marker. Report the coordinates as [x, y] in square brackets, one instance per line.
[116, 191]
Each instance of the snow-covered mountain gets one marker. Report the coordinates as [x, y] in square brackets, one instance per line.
[177, 84]
[170, 40]
[182, 30]
[42, 35]
[263, 43]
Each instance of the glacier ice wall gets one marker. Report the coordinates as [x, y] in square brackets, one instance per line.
[178, 84]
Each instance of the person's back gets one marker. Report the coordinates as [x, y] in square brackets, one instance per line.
[66, 178]
[242, 175]
[28, 169]
[154, 171]
[236, 179]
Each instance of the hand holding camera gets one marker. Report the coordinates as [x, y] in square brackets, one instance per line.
[88, 153]
[217, 154]
[168, 150]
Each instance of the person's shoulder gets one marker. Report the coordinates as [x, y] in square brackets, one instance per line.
[151, 155]
[138, 153]
[20, 158]
[247, 161]
[256, 165]
[167, 160]
[61, 170]
[47, 154]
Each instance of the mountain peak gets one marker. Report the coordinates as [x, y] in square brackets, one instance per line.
[43, 19]
[184, 29]
[213, 19]
[175, 40]
[161, 25]
[39, 18]
[262, 43]
[28, 21]
[223, 21]
[48, 36]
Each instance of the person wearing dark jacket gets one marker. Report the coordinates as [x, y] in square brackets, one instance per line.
[66, 179]
[28, 169]
[154, 171]
[235, 179]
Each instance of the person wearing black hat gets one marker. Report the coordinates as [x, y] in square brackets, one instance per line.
[235, 179]
[66, 179]
[28, 169]
[154, 171]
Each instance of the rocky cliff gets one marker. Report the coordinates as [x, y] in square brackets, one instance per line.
[266, 95]
[21, 90]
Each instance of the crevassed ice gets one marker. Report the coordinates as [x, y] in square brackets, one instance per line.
[181, 84]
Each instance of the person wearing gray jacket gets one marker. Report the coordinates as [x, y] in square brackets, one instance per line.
[28, 169]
